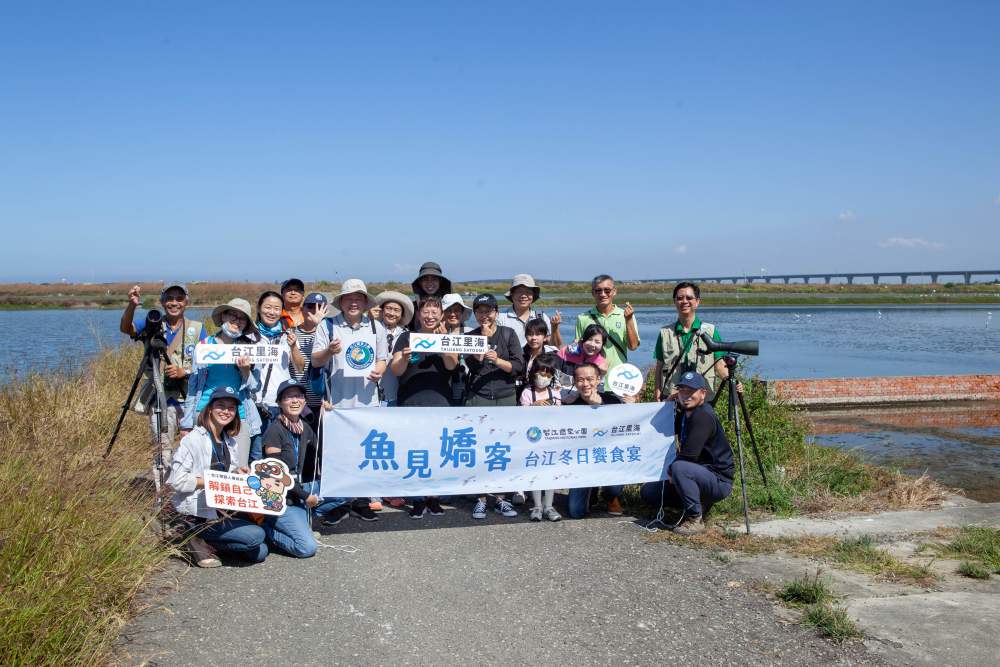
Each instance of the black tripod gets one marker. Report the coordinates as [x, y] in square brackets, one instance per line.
[734, 418]
[153, 356]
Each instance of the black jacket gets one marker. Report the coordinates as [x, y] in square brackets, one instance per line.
[702, 440]
[485, 379]
[303, 467]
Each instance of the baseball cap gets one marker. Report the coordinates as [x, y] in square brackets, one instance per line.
[286, 385]
[179, 285]
[293, 282]
[485, 300]
[317, 298]
[223, 392]
[692, 380]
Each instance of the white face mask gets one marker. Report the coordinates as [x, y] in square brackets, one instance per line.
[231, 330]
[542, 381]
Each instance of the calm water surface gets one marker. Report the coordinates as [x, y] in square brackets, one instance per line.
[795, 342]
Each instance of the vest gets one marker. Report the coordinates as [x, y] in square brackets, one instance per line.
[698, 358]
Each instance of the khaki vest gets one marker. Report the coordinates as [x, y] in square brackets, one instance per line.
[180, 352]
[698, 358]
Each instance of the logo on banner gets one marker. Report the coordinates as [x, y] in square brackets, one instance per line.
[360, 355]
[534, 434]
[624, 380]
[424, 344]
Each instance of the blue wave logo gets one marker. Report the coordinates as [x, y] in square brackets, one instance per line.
[600, 434]
[214, 356]
[424, 344]
[629, 375]
[534, 434]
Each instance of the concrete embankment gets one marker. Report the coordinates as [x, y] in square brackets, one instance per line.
[832, 392]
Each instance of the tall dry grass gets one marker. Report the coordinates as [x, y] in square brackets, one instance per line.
[75, 544]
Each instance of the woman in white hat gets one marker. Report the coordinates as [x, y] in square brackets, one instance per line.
[395, 313]
[453, 321]
[234, 321]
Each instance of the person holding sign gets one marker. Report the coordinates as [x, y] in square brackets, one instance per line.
[233, 320]
[212, 445]
[702, 474]
[618, 322]
[679, 348]
[354, 350]
[272, 330]
[424, 381]
[492, 376]
[588, 378]
[456, 313]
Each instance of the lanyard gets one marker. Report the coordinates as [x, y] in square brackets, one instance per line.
[216, 456]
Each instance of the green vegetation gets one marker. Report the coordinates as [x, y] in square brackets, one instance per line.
[974, 570]
[832, 622]
[978, 545]
[806, 591]
[74, 540]
[863, 555]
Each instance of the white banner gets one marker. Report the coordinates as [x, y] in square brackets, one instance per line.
[217, 353]
[456, 451]
[448, 343]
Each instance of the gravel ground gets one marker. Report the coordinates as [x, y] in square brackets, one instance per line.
[447, 591]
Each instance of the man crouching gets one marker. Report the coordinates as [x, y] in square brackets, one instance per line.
[702, 474]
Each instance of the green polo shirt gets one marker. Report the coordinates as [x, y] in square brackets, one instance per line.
[614, 324]
[685, 337]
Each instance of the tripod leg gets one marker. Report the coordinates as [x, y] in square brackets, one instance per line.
[125, 405]
[735, 416]
[756, 451]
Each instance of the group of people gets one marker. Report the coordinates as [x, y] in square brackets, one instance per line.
[228, 415]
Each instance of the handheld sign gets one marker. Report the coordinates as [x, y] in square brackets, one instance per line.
[624, 380]
[215, 353]
[448, 343]
[357, 356]
[261, 492]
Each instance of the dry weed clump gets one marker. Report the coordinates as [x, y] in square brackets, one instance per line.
[74, 540]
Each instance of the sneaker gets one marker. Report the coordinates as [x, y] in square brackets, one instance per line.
[398, 503]
[551, 514]
[434, 506]
[615, 507]
[517, 498]
[359, 508]
[336, 515]
[479, 511]
[693, 526]
[505, 508]
[536, 514]
[418, 510]
[375, 504]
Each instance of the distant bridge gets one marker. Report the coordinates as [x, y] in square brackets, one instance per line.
[904, 277]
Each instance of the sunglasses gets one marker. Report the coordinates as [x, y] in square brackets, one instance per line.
[604, 290]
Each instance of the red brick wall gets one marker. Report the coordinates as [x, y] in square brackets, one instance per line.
[873, 390]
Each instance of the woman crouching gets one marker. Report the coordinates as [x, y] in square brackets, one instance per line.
[212, 445]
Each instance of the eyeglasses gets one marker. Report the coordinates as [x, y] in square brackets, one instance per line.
[224, 408]
[603, 290]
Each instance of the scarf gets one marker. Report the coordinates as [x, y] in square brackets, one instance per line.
[292, 426]
[270, 332]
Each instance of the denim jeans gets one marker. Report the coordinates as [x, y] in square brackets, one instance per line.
[691, 487]
[291, 532]
[325, 504]
[579, 499]
[257, 442]
[238, 537]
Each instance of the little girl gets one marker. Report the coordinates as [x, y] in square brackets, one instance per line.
[541, 391]
[586, 350]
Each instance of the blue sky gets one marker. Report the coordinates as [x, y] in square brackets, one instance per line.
[234, 140]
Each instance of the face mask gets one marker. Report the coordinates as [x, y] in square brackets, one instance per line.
[542, 381]
[230, 330]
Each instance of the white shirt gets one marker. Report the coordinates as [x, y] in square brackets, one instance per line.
[351, 392]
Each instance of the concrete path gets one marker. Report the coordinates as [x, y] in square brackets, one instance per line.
[447, 591]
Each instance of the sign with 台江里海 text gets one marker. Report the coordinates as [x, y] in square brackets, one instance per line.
[624, 380]
[448, 343]
[472, 450]
[217, 353]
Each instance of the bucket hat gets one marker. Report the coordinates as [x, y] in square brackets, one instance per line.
[401, 299]
[523, 280]
[353, 286]
[431, 269]
[239, 305]
[450, 300]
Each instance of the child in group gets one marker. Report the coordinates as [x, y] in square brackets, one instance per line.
[536, 333]
[542, 391]
[586, 350]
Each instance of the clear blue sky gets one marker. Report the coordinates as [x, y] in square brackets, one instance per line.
[149, 140]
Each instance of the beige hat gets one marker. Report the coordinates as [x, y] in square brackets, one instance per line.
[239, 305]
[402, 300]
[353, 286]
[523, 280]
